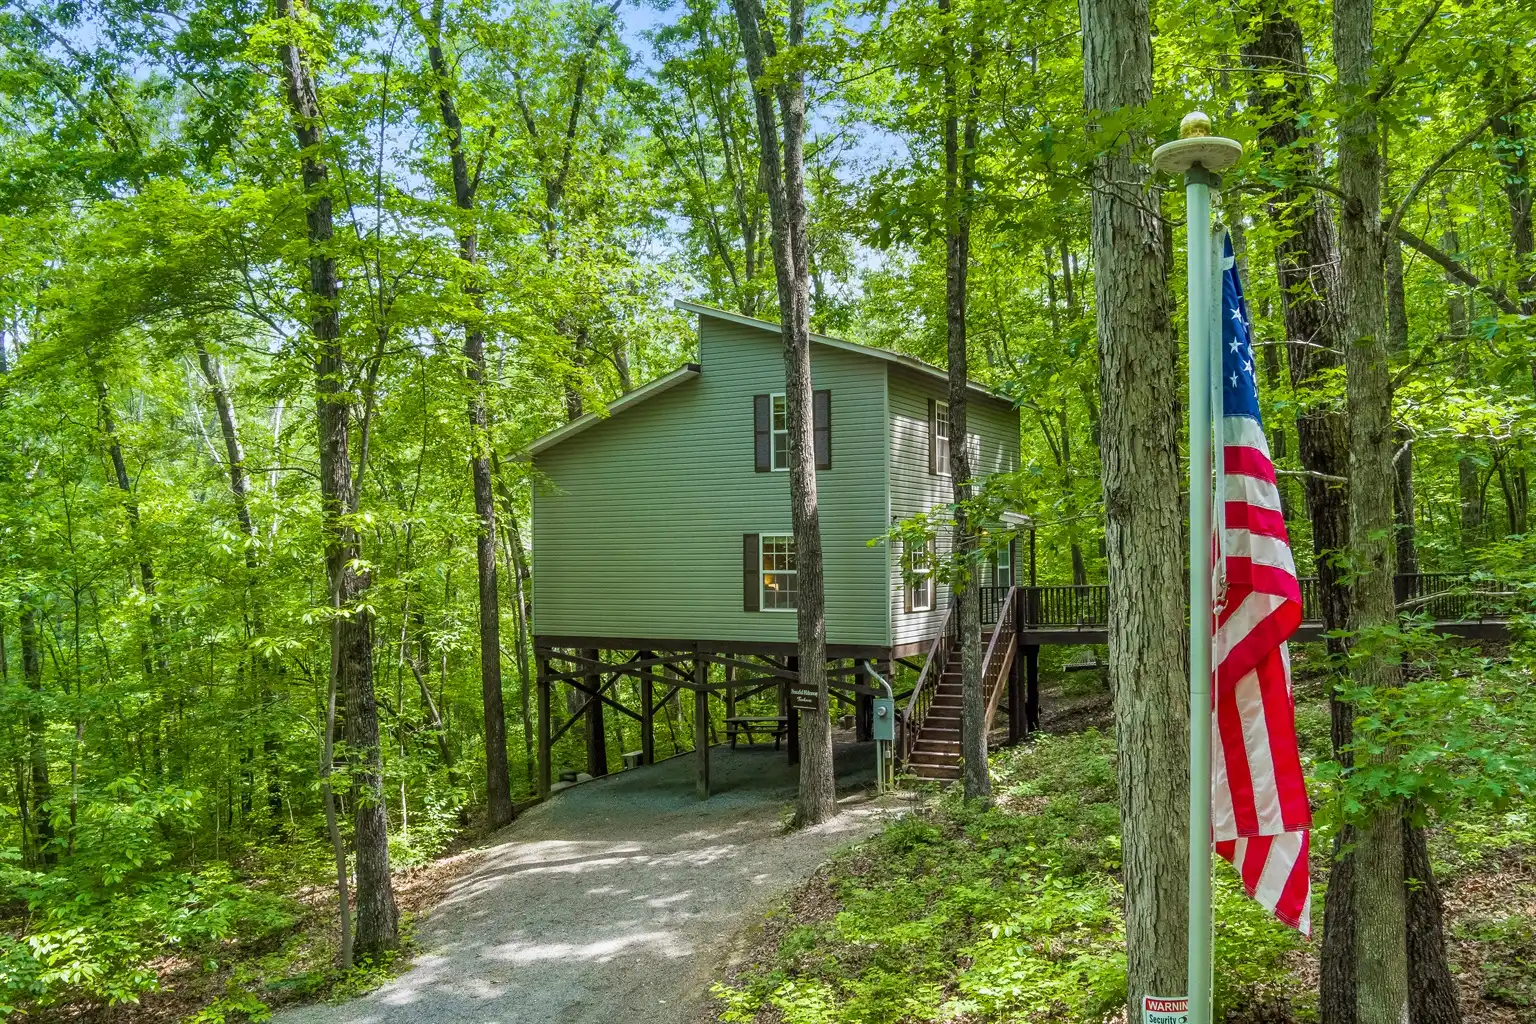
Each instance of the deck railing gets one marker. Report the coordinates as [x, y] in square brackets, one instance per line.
[1442, 596]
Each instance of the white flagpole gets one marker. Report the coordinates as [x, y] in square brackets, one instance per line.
[1199, 155]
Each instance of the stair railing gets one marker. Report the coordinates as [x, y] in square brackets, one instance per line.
[916, 711]
[1001, 650]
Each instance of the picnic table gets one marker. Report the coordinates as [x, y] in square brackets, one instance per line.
[776, 726]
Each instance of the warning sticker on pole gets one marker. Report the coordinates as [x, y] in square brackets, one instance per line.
[1164, 1010]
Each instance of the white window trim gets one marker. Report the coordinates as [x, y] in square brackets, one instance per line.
[773, 435]
[941, 423]
[928, 589]
[762, 588]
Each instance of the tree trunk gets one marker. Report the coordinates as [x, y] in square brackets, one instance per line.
[785, 187]
[498, 786]
[1380, 954]
[352, 622]
[1139, 442]
[37, 733]
[1432, 997]
[958, 169]
[1307, 268]
[1468, 478]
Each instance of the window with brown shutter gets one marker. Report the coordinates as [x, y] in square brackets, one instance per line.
[821, 409]
[762, 432]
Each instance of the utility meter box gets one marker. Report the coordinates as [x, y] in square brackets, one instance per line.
[885, 719]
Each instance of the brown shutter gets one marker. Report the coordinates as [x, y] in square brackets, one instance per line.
[762, 432]
[821, 415]
[751, 565]
[933, 437]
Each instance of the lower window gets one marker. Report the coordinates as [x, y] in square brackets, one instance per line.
[920, 578]
[780, 577]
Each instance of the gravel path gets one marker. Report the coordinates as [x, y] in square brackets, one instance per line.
[617, 901]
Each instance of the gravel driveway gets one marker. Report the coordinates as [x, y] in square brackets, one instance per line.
[616, 901]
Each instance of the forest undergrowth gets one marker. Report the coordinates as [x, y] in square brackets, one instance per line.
[1012, 912]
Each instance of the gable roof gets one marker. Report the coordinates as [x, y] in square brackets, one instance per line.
[664, 383]
[884, 354]
[691, 370]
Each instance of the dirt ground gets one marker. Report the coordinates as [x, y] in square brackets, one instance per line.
[618, 899]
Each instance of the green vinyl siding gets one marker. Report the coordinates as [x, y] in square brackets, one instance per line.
[638, 521]
[914, 489]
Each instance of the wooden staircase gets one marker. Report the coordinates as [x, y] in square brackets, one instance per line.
[931, 721]
[936, 751]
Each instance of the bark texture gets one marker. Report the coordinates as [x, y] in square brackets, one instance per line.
[1380, 954]
[959, 168]
[352, 625]
[783, 173]
[1307, 266]
[1139, 361]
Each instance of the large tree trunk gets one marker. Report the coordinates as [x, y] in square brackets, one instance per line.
[785, 187]
[1138, 374]
[498, 787]
[958, 169]
[1380, 955]
[352, 622]
[1307, 266]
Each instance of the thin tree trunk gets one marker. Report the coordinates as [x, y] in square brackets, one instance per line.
[1468, 482]
[1139, 445]
[352, 622]
[332, 825]
[1307, 265]
[498, 786]
[1380, 954]
[785, 186]
[240, 492]
[37, 735]
[958, 167]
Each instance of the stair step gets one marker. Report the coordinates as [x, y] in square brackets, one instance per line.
[936, 773]
[932, 759]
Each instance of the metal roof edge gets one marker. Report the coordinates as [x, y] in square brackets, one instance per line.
[885, 354]
[666, 382]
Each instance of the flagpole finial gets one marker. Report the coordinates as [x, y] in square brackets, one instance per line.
[1196, 150]
[1196, 124]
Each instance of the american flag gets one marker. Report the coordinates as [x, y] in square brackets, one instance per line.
[1260, 817]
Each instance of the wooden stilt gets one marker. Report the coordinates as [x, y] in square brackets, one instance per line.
[1032, 698]
[863, 717]
[597, 740]
[1017, 723]
[544, 727]
[701, 727]
[647, 712]
[794, 716]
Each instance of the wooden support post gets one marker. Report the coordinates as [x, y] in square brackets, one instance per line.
[647, 711]
[544, 728]
[794, 715]
[1018, 724]
[730, 693]
[597, 740]
[1032, 697]
[863, 717]
[701, 727]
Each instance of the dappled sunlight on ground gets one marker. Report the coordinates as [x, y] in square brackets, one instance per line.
[616, 900]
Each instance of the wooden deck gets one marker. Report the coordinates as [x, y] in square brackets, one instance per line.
[1455, 603]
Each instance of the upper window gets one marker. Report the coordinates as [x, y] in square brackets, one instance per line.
[779, 575]
[780, 435]
[920, 578]
[1004, 575]
[941, 438]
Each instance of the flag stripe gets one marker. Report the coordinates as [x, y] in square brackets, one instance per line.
[1260, 816]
